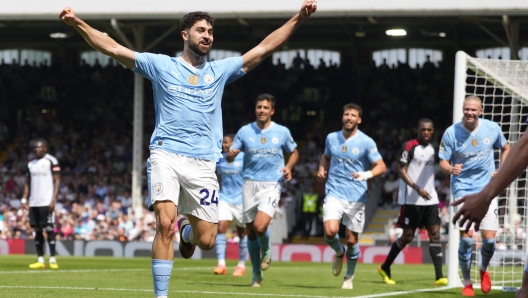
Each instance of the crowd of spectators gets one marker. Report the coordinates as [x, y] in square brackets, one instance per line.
[85, 112]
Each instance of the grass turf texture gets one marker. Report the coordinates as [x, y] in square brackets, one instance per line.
[131, 277]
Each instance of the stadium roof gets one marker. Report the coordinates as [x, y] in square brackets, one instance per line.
[170, 9]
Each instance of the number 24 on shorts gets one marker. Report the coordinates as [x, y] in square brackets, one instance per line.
[205, 195]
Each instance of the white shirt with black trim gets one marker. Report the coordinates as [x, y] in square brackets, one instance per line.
[40, 173]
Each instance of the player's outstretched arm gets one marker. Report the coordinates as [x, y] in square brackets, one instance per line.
[278, 37]
[98, 40]
[476, 205]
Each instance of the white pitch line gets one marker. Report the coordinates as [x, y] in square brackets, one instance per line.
[405, 292]
[94, 270]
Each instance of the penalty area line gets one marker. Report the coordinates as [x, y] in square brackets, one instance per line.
[406, 292]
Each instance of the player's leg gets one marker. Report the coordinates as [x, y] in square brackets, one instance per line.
[354, 220]
[260, 227]
[250, 209]
[242, 246]
[431, 220]
[268, 197]
[220, 245]
[50, 222]
[201, 233]
[35, 223]
[488, 226]
[163, 247]
[464, 260]
[523, 291]
[408, 221]
[332, 214]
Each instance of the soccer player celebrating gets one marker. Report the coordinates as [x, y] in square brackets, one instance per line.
[230, 207]
[350, 158]
[419, 200]
[474, 207]
[263, 142]
[466, 152]
[42, 187]
[186, 143]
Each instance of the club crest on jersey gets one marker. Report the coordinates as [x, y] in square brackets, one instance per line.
[263, 140]
[158, 188]
[193, 79]
[237, 164]
[486, 141]
[275, 140]
[208, 78]
[344, 149]
[474, 142]
[355, 151]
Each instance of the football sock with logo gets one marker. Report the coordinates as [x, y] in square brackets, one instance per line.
[220, 245]
[464, 257]
[393, 253]
[435, 249]
[265, 244]
[51, 242]
[352, 258]
[334, 243]
[254, 255]
[486, 251]
[243, 247]
[39, 243]
[161, 271]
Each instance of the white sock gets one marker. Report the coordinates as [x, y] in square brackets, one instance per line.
[161, 296]
[221, 263]
[40, 260]
[467, 282]
[241, 264]
[52, 260]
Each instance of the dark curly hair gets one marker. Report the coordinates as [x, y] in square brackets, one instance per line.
[191, 18]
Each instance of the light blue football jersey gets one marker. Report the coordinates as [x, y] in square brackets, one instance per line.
[231, 182]
[264, 157]
[187, 102]
[473, 149]
[347, 156]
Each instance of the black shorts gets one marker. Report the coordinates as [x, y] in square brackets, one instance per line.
[415, 216]
[40, 217]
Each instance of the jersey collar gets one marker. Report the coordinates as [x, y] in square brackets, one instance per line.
[342, 137]
[198, 67]
[265, 129]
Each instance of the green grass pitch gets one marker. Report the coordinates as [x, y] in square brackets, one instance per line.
[131, 277]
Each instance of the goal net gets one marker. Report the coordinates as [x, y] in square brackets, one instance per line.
[503, 87]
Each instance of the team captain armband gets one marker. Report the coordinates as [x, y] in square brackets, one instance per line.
[56, 168]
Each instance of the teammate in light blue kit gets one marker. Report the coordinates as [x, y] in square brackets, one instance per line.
[185, 145]
[466, 153]
[263, 143]
[230, 208]
[350, 158]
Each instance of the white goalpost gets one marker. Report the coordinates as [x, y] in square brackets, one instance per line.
[503, 87]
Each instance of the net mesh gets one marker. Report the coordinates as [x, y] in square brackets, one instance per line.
[503, 87]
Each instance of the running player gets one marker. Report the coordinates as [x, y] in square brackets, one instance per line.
[186, 143]
[263, 143]
[230, 208]
[350, 158]
[466, 153]
[474, 207]
[42, 187]
[419, 200]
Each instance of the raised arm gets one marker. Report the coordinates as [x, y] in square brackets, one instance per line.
[98, 40]
[278, 37]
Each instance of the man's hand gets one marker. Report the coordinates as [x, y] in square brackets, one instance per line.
[68, 16]
[232, 154]
[321, 175]
[457, 169]
[308, 7]
[424, 194]
[51, 206]
[474, 209]
[362, 176]
[286, 173]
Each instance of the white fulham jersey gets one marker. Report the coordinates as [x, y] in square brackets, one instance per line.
[40, 173]
[419, 160]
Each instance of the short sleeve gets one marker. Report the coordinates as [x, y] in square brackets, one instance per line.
[446, 147]
[289, 144]
[148, 65]
[232, 67]
[373, 153]
[407, 153]
[327, 151]
[501, 139]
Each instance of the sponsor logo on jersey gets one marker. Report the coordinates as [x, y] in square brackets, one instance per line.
[344, 149]
[158, 188]
[173, 88]
[275, 140]
[355, 151]
[474, 142]
[208, 78]
[263, 140]
[486, 141]
[193, 79]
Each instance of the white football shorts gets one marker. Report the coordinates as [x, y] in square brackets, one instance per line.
[490, 221]
[260, 196]
[351, 213]
[230, 212]
[190, 183]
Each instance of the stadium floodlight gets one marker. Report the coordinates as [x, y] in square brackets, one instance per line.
[58, 35]
[396, 32]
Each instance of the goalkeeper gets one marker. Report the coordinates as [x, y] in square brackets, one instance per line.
[466, 152]
[347, 160]
[475, 206]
